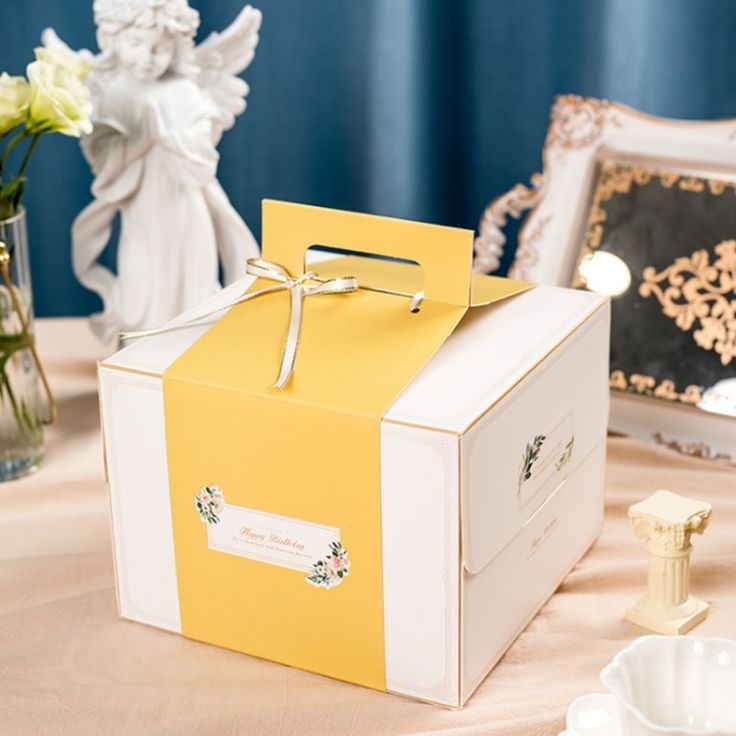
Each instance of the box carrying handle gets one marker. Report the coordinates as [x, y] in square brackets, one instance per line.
[444, 253]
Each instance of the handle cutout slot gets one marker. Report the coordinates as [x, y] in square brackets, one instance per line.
[317, 252]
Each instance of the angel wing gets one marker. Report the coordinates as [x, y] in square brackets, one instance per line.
[221, 57]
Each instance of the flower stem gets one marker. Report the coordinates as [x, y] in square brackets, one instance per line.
[18, 194]
[14, 141]
[29, 153]
[26, 424]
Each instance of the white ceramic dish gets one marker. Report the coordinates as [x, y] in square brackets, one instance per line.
[663, 686]
[593, 715]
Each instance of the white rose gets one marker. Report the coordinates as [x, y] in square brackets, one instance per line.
[59, 100]
[75, 63]
[14, 96]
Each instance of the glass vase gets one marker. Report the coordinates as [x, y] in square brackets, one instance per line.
[21, 425]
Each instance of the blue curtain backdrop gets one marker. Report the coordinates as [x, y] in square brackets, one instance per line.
[423, 109]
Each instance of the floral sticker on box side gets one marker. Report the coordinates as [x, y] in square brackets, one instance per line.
[209, 502]
[332, 570]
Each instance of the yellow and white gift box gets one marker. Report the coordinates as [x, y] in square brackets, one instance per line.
[394, 511]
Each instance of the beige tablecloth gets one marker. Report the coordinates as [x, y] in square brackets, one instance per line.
[69, 665]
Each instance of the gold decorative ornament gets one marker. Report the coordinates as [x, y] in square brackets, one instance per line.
[706, 300]
[613, 179]
[576, 122]
[716, 187]
[490, 241]
[647, 386]
[699, 294]
[692, 184]
[618, 178]
[618, 381]
[642, 384]
[527, 254]
[693, 449]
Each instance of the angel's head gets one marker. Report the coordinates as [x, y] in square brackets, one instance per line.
[147, 38]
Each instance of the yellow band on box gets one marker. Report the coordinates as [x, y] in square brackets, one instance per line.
[310, 451]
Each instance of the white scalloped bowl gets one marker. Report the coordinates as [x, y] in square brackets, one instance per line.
[675, 686]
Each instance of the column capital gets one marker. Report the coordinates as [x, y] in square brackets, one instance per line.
[667, 521]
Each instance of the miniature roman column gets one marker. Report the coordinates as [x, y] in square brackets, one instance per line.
[666, 522]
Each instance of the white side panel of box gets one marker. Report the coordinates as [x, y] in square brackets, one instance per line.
[135, 449]
[500, 601]
[565, 398]
[421, 546]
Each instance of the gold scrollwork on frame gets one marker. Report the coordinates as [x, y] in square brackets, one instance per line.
[488, 246]
[613, 178]
[618, 178]
[527, 254]
[699, 294]
[694, 449]
[647, 386]
[576, 122]
[694, 292]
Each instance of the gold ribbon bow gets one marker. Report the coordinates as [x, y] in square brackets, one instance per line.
[308, 284]
[298, 288]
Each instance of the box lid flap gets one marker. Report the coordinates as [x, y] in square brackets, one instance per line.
[518, 456]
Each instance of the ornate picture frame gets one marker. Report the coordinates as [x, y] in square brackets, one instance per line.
[640, 207]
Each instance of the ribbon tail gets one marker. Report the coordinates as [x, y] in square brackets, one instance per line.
[288, 357]
[198, 320]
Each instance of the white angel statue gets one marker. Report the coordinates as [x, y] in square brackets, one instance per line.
[160, 108]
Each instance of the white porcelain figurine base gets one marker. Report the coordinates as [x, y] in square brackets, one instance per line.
[666, 522]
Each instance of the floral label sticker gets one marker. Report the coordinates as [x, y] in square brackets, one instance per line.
[272, 538]
[332, 570]
[209, 502]
[544, 457]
